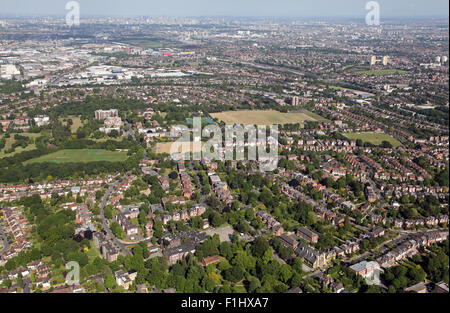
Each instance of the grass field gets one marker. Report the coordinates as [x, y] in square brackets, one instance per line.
[76, 123]
[262, 117]
[106, 139]
[317, 117]
[384, 72]
[149, 43]
[10, 141]
[93, 252]
[81, 156]
[165, 147]
[373, 138]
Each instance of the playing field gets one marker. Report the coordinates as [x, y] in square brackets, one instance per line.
[317, 117]
[373, 138]
[262, 117]
[166, 147]
[149, 43]
[384, 72]
[81, 156]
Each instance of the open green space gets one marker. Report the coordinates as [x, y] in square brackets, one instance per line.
[374, 138]
[77, 123]
[317, 117]
[263, 117]
[81, 156]
[382, 72]
[149, 43]
[11, 140]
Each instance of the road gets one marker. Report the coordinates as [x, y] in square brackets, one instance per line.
[266, 67]
[27, 285]
[111, 190]
[4, 238]
[380, 249]
[383, 248]
[105, 222]
[278, 258]
[312, 275]
[401, 231]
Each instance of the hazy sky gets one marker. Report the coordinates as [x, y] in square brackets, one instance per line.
[291, 8]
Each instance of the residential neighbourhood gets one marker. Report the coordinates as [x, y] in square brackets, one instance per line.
[224, 155]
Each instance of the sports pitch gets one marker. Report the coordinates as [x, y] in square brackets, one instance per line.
[177, 147]
[373, 138]
[81, 156]
[263, 117]
[382, 72]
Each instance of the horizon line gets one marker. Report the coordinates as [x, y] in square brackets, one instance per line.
[84, 16]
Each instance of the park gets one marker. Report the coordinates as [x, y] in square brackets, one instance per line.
[80, 156]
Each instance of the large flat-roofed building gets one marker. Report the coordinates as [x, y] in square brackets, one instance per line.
[178, 253]
[103, 114]
[190, 236]
[8, 71]
[364, 268]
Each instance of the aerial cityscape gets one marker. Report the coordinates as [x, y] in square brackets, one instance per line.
[224, 154]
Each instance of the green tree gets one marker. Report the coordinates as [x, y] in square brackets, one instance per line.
[234, 274]
[254, 284]
[110, 282]
[259, 247]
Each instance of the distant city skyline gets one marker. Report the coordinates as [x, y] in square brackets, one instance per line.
[238, 8]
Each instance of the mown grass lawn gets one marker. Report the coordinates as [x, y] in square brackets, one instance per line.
[262, 117]
[383, 72]
[81, 156]
[373, 138]
[177, 147]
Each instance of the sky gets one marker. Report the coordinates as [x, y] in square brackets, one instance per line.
[287, 8]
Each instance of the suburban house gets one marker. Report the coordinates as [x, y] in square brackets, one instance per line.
[308, 235]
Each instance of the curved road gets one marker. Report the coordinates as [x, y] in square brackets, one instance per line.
[3, 237]
[105, 223]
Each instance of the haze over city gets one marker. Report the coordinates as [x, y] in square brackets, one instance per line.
[291, 8]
